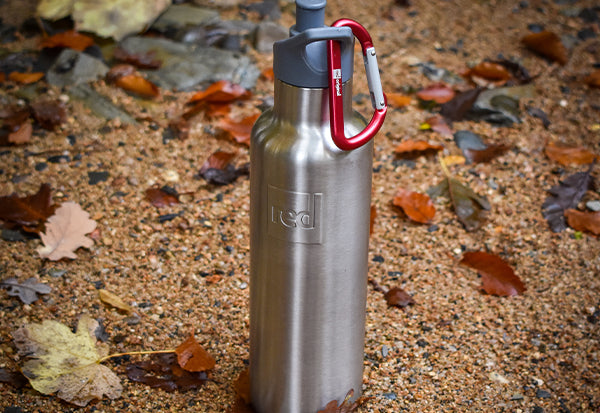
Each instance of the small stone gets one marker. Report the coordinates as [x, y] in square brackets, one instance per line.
[537, 409]
[56, 273]
[390, 396]
[593, 205]
[41, 166]
[378, 258]
[11, 235]
[542, 394]
[97, 177]
[243, 285]
[517, 396]
[384, 351]
[498, 378]
[74, 68]
[182, 15]
[468, 140]
[422, 343]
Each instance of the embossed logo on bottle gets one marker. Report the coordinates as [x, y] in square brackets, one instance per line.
[295, 216]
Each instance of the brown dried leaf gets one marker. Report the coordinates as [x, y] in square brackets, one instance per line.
[162, 197]
[14, 378]
[398, 100]
[239, 130]
[70, 39]
[497, 276]
[457, 108]
[26, 291]
[191, 356]
[485, 155]
[21, 135]
[25, 78]
[547, 44]
[49, 113]
[268, 74]
[347, 406]
[222, 91]
[569, 155]
[139, 85]
[437, 124]
[490, 71]
[397, 297]
[145, 60]
[439, 93]
[372, 219]
[242, 386]
[583, 221]
[65, 232]
[415, 205]
[114, 300]
[30, 212]
[410, 149]
[593, 80]
[164, 372]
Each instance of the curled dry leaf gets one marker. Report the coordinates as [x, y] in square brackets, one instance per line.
[25, 78]
[397, 297]
[26, 291]
[114, 300]
[70, 39]
[191, 356]
[222, 91]
[242, 386]
[14, 378]
[583, 221]
[163, 371]
[240, 130]
[66, 363]
[397, 100]
[485, 155]
[415, 205]
[490, 71]
[547, 44]
[569, 155]
[497, 276]
[218, 169]
[439, 93]
[593, 80]
[65, 232]
[29, 212]
[410, 149]
[268, 74]
[162, 197]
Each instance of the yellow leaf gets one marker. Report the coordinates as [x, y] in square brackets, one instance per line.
[66, 362]
[114, 301]
[453, 160]
[54, 9]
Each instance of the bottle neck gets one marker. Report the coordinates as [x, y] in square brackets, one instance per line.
[307, 105]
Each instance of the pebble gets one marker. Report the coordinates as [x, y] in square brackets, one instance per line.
[593, 205]
[384, 351]
[55, 272]
[537, 409]
[542, 394]
[182, 15]
[95, 177]
[390, 396]
[74, 68]
[243, 285]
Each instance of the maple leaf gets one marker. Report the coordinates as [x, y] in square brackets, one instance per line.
[27, 291]
[565, 196]
[66, 363]
[30, 211]
[497, 276]
[65, 232]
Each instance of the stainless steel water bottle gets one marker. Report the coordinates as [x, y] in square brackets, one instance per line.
[310, 194]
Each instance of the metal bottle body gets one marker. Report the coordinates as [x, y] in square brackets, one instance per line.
[309, 229]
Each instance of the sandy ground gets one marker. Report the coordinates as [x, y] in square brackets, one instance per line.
[456, 350]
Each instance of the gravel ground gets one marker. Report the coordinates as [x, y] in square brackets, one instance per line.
[455, 350]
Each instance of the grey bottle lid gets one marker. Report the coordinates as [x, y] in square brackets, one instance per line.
[301, 60]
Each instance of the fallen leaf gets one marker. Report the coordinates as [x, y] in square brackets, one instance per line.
[372, 219]
[138, 85]
[517, 71]
[268, 74]
[547, 44]
[218, 169]
[191, 356]
[410, 149]
[66, 363]
[242, 386]
[21, 135]
[217, 160]
[457, 108]
[65, 232]
[569, 155]
[593, 80]
[437, 124]
[240, 406]
[239, 130]
[49, 113]
[397, 100]
[114, 300]
[30, 212]
[439, 93]
[490, 71]
[397, 297]
[415, 205]
[485, 155]
[27, 291]
[163, 372]
[25, 78]
[145, 60]
[347, 406]
[565, 196]
[222, 91]
[497, 276]
[14, 378]
[453, 160]
[583, 221]
[469, 207]
[70, 39]
[162, 197]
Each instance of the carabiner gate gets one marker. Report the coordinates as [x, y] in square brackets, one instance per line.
[336, 106]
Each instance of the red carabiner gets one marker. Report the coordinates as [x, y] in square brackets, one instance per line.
[336, 104]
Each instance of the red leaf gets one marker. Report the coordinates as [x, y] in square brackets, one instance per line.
[593, 80]
[239, 130]
[410, 149]
[146, 60]
[25, 78]
[222, 91]
[70, 39]
[191, 356]
[397, 297]
[583, 221]
[30, 212]
[497, 276]
[438, 92]
[416, 206]
[159, 197]
[569, 155]
[547, 44]
[49, 113]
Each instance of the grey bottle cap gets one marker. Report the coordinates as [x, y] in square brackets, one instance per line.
[301, 60]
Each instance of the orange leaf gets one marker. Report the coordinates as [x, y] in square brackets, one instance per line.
[21, 135]
[161, 198]
[569, 155]
[438, 92]
[242, 386]
[372, 220]
[497, 276]
[222, 91]
[584, 221]
[70, 39]
[25, 78]
[218, 160]
[2, 77]
[138, 85]
[268, 74]
[490, 71]
[593, 80]
[415, 205]
[413, 149]
[547, 44]
[397, 297]
[397, 100]
[192, 357]
[485, 155]
[240, 130]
